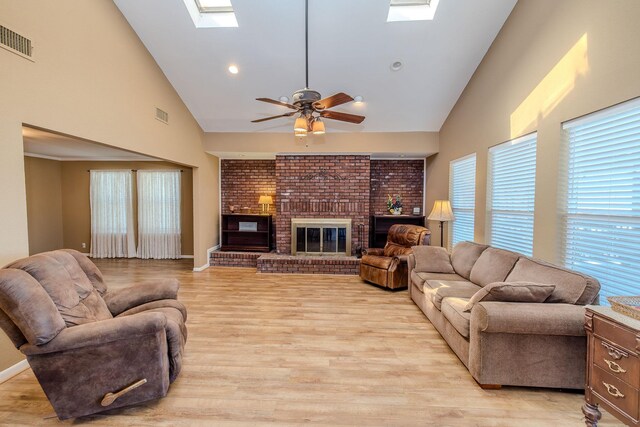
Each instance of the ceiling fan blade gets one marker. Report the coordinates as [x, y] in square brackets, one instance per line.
[273, 101]
[273, 117]
[332, 101]
[345, 117]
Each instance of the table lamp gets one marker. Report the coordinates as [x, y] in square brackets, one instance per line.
[265, 201]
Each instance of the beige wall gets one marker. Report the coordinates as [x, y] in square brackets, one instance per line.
[552, 61]
[76, 211]
[43, 180]
[91, 78]
[418, 143]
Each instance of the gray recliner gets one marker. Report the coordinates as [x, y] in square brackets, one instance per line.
[91, 349]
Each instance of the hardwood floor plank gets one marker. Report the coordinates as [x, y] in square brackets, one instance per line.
[287, 350]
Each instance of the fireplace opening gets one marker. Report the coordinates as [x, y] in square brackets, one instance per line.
[320, 236]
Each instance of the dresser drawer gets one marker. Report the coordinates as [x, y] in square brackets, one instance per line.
[617, 362]
[616, 392]
[623, 337]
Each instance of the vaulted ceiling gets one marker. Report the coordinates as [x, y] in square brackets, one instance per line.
[351, 49]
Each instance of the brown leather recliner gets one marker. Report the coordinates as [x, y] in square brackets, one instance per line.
[388, 267]
[86, 343]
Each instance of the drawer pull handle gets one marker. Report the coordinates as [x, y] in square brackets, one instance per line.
[614, 352]
[615, 367]
[612, 390]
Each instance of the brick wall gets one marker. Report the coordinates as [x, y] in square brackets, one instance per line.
[321, 187]
[404, 177]
[244, 181]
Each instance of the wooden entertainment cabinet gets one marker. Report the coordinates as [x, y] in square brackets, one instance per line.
[380, 225]
[246, 232]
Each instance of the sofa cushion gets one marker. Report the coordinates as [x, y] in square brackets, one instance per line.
[432, 259]
[29, 307]
[453, 311]
[571, 287]
[464, 256]
[93, 273]
[419, 278]
[437, 290]
[511, 292]
[493, 266]
[382, 262]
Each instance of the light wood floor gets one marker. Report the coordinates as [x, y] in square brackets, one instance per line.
[302, 349]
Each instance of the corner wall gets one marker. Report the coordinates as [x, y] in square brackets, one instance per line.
[91, 78]
[551, 62]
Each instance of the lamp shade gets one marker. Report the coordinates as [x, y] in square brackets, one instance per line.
[441, 211]
[318, 127]
[300, 125]
[265, 200]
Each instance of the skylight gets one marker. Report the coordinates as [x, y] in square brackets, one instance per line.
[211, 13]
[412, 10]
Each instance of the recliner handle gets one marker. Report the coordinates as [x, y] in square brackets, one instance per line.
[109, 398]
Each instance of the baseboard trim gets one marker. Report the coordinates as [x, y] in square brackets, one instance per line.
[186, 256]
[208, 264]
[14, 370]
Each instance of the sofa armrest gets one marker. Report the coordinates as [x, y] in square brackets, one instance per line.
[123, 299]
[102, 332]
[528, 318]
[373, 251]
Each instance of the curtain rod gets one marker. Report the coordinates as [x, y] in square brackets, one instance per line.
[136, 170]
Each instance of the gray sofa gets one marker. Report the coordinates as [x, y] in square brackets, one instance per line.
[500, 339]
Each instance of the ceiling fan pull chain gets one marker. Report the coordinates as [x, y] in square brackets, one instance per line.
[306, 42]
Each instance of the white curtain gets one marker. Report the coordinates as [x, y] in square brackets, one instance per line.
[159, 214]
[111, 214]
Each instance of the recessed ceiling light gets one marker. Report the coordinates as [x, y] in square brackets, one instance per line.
[233, 69]
[396, 66]
[358, 99]
[284, 99]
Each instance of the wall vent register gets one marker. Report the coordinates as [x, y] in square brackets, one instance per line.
[15, 43]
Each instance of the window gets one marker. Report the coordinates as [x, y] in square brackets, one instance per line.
[412, 10]
[159, 229]
[211, 13]
[511, 193]
[600, 213]
[462, 194]
[111, 214]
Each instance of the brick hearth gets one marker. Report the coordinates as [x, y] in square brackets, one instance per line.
[275, 263]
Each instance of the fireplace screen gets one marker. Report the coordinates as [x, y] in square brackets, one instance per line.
[321, 236]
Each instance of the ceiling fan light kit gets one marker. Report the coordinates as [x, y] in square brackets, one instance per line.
[309, 103]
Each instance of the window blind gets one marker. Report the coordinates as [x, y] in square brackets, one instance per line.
[462, 194]
[511, 194]
[600, 216]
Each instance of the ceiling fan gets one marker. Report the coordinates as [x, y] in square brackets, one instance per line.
[309, 104]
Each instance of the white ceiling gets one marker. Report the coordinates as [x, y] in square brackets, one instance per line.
[48, 145]
[351, 48]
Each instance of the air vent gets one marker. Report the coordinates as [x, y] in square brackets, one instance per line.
[163, 116]
[15, 43]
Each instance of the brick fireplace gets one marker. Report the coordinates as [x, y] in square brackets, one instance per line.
[352, 187]
[321, 186]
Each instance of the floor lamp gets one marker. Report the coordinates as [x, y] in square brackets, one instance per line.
[441, 212]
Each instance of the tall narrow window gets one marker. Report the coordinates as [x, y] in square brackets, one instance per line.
[600, 216]
[462, 194]
[159, 228]
[511, 188]
[111, 214]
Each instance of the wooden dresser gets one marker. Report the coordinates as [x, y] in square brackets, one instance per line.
[613, 366]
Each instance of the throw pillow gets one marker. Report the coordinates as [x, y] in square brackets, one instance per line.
[511, 292]
[432, 259]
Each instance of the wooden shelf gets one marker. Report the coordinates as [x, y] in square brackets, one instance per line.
[234, 239]
[380, 225]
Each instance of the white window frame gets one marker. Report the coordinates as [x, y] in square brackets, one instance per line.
[511, 194]
[461, 208]
[599, 203]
